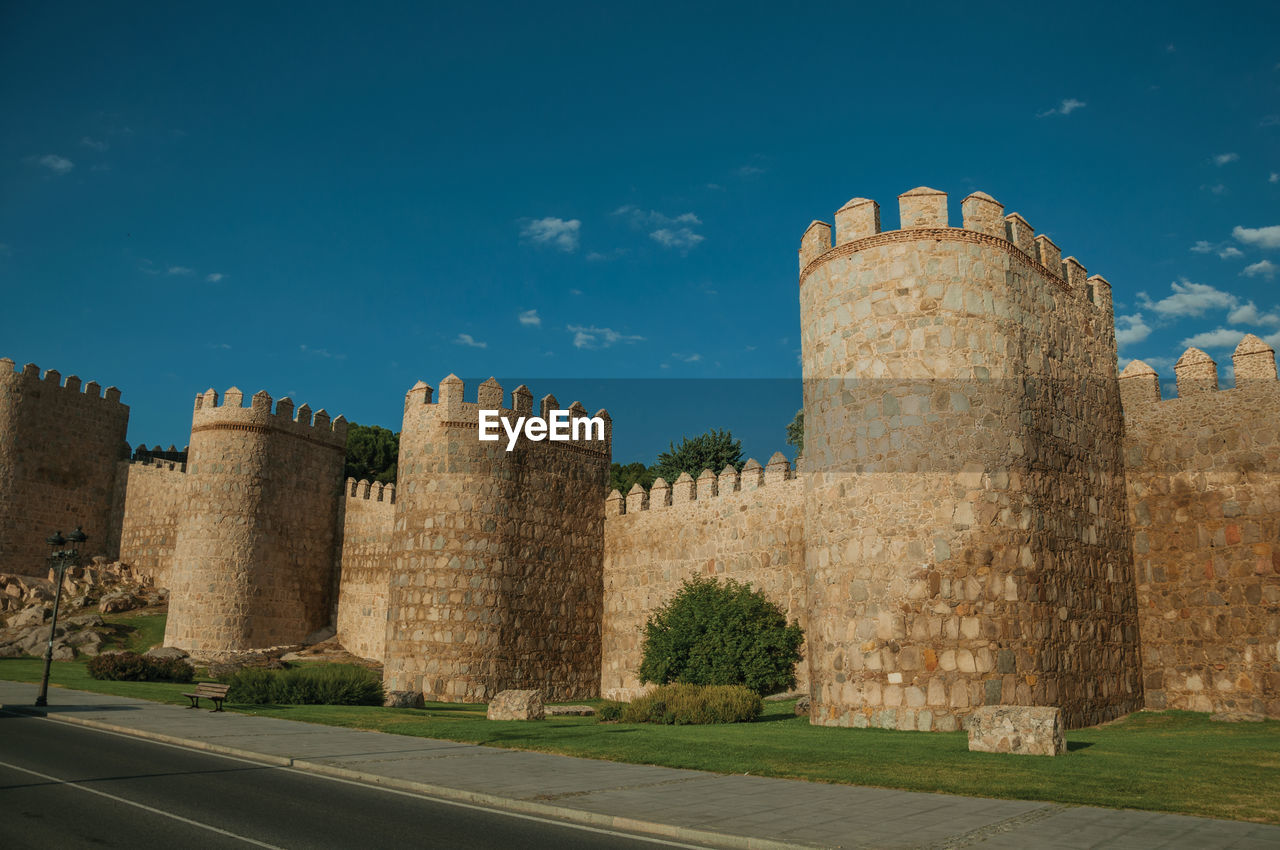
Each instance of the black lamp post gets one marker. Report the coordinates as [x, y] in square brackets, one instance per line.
[60, 558]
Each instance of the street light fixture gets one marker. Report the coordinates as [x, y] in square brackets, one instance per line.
[60, 558]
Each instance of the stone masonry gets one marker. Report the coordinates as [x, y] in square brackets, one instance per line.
[986, 515]
[966, 542]
[1203, 475]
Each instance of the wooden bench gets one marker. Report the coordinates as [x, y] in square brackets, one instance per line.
[210, 691]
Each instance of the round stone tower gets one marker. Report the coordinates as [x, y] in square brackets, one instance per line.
[497, 570]
[255, 554]
[966, 539]
[60, 444]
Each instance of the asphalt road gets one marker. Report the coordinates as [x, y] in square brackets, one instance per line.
[64, 786]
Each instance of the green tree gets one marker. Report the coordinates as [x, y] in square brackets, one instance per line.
[623, 476]
[795, 432]
[713, 450]
[721, 634]
[371, 453]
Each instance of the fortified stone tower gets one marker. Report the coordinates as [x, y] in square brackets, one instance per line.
[59, 444]
[496, 578]
[255, 555]
[965, 528]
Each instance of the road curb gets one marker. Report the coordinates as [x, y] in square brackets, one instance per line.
[444, 792]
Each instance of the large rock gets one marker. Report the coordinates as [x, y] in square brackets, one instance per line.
[166, 652]
[1031, 730]
[517, 705]
[28, 617]
[802, 706]
[114, 603]
[403, 699]
[570, 711]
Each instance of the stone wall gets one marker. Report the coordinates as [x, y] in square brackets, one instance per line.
[59, 445]
[368, 519]
[149, 498]
[496, 566]
[748, 527]
[966, 540]
[257, 543]
[1203, 475]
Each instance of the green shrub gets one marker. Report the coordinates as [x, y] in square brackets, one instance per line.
[323, 684]
[610, 710]
[132, 667]
[251, 686]
[684, 705]
[721, 634]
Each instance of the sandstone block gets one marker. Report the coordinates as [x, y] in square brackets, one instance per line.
[403, 699]
[517, 705]
[1018, 729]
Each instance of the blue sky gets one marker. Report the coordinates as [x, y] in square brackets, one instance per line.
[333, 201]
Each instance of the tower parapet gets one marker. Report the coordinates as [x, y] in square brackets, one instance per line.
[963, 484]
[59, 446]
[497, 573]
[256, 548]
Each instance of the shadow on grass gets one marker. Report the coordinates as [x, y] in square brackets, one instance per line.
[1072, 746]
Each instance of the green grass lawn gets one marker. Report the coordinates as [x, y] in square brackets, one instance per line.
[140, 631]
[1165, 761]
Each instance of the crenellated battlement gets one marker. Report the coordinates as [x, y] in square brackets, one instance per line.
[448, 409]
[922, 214]
[228, 411]
[29, 375]
[707, 486]
[1196, 374]
[367, 491]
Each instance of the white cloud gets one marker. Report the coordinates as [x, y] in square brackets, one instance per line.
[553, 231]
[214, 277]
[5, 249]
[669, 232]
[589, 336]
[1189, 299]
[1224, 158]
[321, 352]
[1131, 329]
[1216, 189]
[1269, 121]
[180, 270]
[530, 318]
[1274, 178]
[1247, 314]
[687, 358]
[470, 341]
[749, 171]
[1262, 268]
[605, 256]
[1259, 237]
[1226, 252]
[682, 238]
[94, 144]
[56, 164]
[1217, 338]
[1065, 108]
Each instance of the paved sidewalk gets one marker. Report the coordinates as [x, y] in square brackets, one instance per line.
[732, 811]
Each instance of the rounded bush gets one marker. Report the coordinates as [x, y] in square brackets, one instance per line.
[684, 705]
[721, 634]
